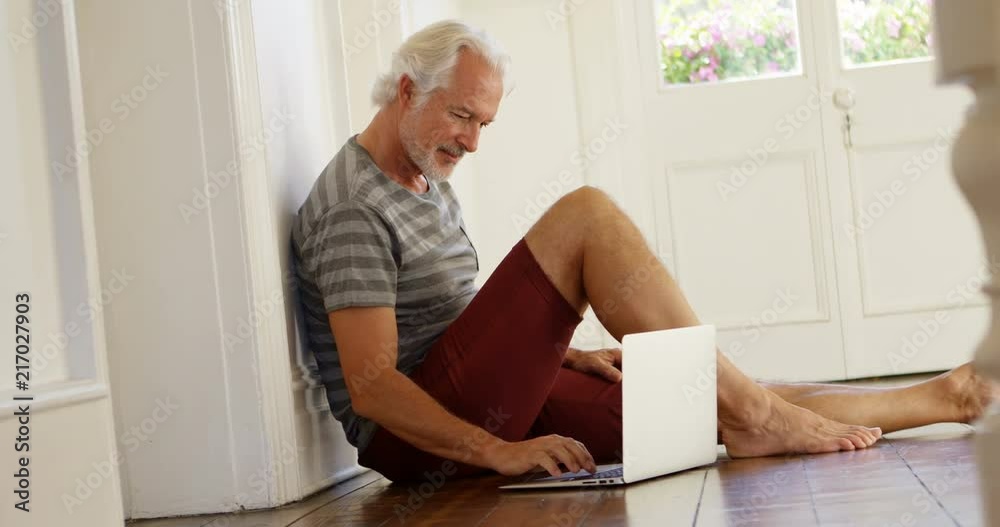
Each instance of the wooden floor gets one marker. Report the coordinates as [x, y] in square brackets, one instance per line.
[924, 476]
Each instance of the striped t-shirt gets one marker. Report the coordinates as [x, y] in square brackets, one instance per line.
[361, 239]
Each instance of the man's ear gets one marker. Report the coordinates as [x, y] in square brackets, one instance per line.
[405, 91]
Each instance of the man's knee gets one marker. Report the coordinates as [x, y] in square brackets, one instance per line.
[585, 203]
[569, 221]
[587, 197]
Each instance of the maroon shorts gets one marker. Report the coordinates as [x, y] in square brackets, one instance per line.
[499, 366]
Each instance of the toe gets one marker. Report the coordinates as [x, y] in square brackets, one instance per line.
[866, 435]
[857, 440]
[876, 434]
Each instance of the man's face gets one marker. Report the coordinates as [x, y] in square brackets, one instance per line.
[436, 135]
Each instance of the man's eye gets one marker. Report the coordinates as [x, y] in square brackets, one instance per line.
[460, 116]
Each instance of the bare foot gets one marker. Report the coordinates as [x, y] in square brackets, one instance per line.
[966, 394]
[778, 427]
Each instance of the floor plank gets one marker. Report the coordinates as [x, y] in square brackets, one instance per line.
[946, 467]
[280, 516]
[924, 476]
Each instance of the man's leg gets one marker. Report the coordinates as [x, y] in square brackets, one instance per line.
[958, 396]
[594, 254]
[493, 367]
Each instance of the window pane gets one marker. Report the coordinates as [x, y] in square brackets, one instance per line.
[714, 40]
[881, 30]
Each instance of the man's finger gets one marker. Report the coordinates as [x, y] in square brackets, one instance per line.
[583, 455]
[611, 373]
[567, 458]
[545, 461]
[617, 354]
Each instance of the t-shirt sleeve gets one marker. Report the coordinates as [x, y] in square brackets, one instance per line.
[350, 254]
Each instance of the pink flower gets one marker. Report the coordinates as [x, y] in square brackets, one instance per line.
[707, 73]
[772, 67]
[893, 25]
[716, 33]
[759, 40]
[854, 42]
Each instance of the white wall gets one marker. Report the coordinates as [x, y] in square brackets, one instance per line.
[298, 54]
[174, 332]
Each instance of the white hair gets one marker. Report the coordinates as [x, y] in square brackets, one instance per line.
[429, 56]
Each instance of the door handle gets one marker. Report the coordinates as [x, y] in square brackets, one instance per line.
[844, 99]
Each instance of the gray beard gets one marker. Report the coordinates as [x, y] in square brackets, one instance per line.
[423, 160]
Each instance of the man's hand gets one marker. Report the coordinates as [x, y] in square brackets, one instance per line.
[605, 363]
[514, 459]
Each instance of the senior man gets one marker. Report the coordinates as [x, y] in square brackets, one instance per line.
[423, 370]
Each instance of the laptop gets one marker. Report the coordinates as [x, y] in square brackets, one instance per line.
[669, 419]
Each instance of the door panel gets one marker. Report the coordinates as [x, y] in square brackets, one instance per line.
[741, 204]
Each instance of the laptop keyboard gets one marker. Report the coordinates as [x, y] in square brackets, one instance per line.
[611, 473]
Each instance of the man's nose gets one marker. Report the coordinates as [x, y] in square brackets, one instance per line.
[470, 140]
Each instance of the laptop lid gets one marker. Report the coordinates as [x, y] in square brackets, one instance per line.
[669, 418]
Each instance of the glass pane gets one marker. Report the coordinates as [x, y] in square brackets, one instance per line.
[714, 40]
[881, 30]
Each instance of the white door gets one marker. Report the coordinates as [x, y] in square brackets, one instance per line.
[908, 245]
[758, 177]
[739, 171]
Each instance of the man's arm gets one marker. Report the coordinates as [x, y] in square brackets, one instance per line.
[395, 402]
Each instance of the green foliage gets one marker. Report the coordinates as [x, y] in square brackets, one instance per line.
[710, 40]
[880, 30]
